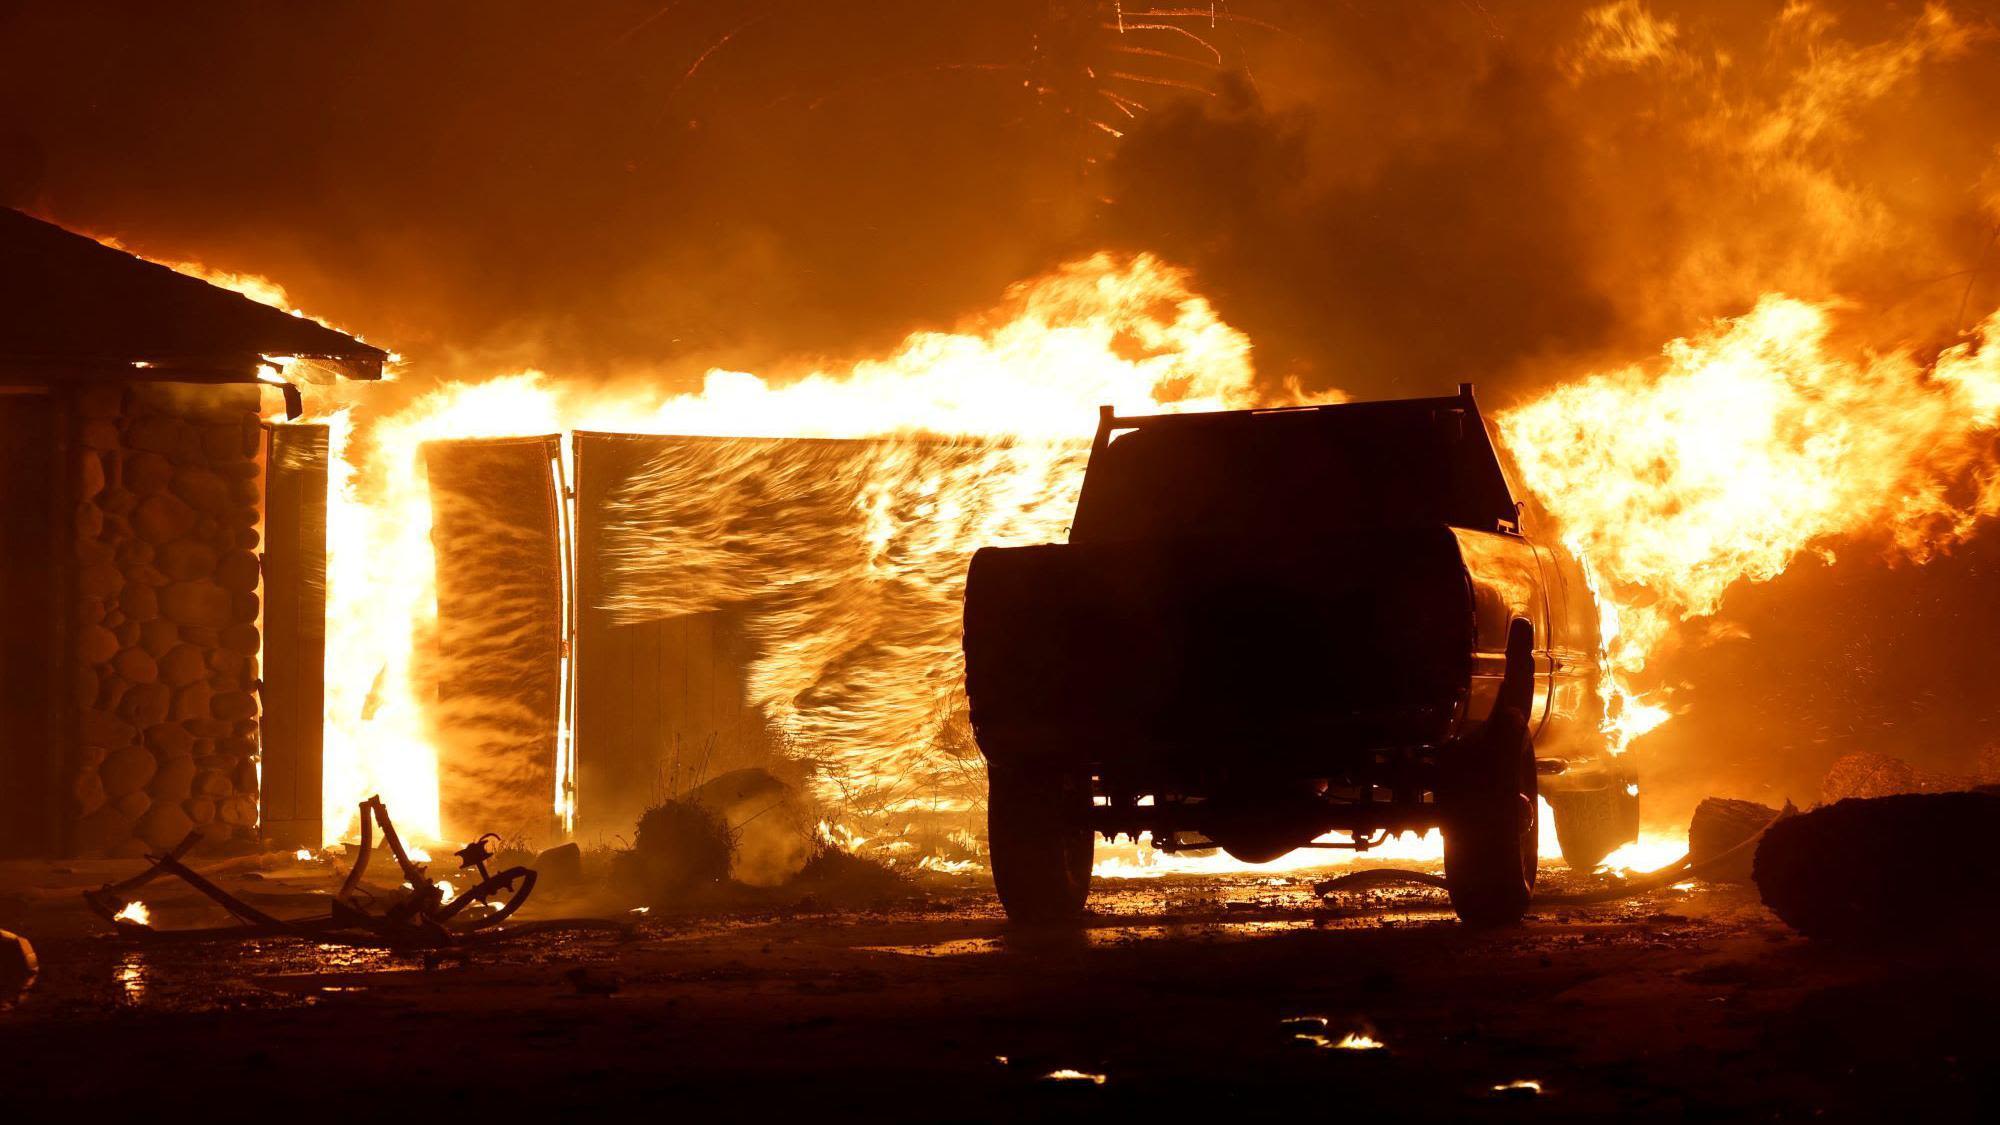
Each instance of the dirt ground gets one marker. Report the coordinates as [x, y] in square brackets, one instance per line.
[1181, 996]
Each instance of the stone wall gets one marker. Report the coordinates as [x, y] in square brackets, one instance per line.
[169, 498]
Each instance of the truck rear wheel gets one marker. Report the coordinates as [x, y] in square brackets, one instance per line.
[1592, 825]
[1039, 840]
[1490, 829]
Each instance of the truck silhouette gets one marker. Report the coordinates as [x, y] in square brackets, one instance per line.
[1271, 625]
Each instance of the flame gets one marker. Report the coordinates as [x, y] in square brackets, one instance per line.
[134, 912]
[1009, 400]
[1649, 853]
[1357, 1041]
[1752, 443]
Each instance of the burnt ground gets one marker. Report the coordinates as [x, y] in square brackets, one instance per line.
[927, 1006]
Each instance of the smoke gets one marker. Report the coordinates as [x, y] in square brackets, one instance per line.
[1387, 199]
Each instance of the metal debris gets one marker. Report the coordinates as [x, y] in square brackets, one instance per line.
[421, 920]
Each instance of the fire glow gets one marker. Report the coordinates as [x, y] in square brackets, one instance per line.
[1745, 446]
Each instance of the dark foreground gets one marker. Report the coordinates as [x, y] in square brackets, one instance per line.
[1182, 997]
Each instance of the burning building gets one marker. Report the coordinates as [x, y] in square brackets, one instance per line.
[162, 646]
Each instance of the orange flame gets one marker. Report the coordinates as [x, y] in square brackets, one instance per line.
[1024, 382]
[1755, 442]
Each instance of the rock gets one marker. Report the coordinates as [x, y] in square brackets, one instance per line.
[145, 704]
[244, 608]
[241, 638]
[158, 433]
[246, 538]
[186, 559]
[99, 728]
[126, 631]
[89, 523]
[174, 781]
[201, 810]
[1903, 870]
[237, 746]
[562, 864]
[89, 611]
[237, 570]
[18, 965]
[197, 603]
[99, 434]
[134, 553]
[244, 776]
[203, 488]
[90, 476]
[182, 665]
[147, 474]
[236, 470]
[93, 552]
[164, 825]
[127, 770]
[213, 783]
[99, 581]
[773, 839]
[133, 805]
[162, 518]
[115, 501]
[110, 692]
[136, 665]
[245, 728]
[239, 810]
[192, 701]
[170, 741]
[95, 644]
[200, 636]
[158, 637]
[221, 441]
[207, 728]
[140, 603]
[88, 789]
[233, 705]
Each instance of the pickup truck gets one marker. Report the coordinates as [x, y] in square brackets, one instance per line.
[1270, 626]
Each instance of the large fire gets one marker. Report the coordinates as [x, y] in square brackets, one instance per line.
[1748, 445]
[1024, 384]
[1753, 443]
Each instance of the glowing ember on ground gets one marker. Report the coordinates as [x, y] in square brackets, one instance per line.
[1649, 853]
[1527, 1086]
[134, 912]
[1067, 1075]
[303, 855]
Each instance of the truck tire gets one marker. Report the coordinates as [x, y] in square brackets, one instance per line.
[1592, 825]
[1039, 840]
[1490, 829]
